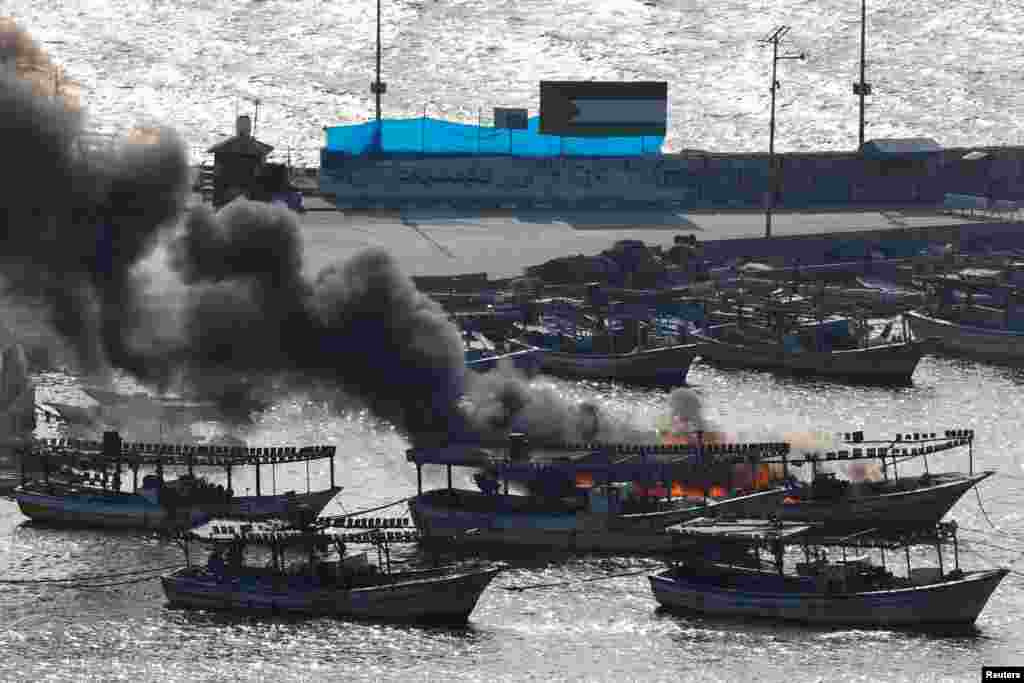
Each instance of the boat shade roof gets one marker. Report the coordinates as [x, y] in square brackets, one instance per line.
[759, 532]
[145, 453]
[475, 455]
[259, 533]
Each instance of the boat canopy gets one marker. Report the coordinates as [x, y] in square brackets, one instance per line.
[761, 532]
[146, 453]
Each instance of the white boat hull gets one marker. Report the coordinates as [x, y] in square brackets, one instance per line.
[667, 365]
[947, 602]
[923, 506]
[883, 363]
[966, 340]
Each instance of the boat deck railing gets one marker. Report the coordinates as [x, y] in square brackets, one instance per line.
[150, 453]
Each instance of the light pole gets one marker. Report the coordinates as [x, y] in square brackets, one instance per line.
[377, 87]
[862, 89]
[773, 39]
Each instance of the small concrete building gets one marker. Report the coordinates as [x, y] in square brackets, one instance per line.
[238, 164]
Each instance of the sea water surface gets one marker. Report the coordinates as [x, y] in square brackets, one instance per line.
[946, 69]
[608, 630]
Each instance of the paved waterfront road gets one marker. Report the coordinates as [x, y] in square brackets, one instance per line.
[440, 242]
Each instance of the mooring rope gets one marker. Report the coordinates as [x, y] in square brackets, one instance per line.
[81, 586]
[982, 508]
[1017, 551]
[89, 577]
[994, 532]
[368, 510]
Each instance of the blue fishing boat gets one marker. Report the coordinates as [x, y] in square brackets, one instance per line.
[305, 570]
[617, 343]
[826, 349]
[824, 590]
[99, 499]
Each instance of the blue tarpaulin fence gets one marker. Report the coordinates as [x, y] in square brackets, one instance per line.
[433, 136]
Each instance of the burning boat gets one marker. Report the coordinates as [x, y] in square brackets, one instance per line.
[894, 500]
[596, 502]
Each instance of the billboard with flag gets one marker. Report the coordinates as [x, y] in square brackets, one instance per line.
[603, 108]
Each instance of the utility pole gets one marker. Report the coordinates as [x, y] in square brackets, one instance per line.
[862, 89]
[773, 39]
[377, 87]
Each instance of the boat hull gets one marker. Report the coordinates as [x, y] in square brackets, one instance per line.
[918, 507]
[889, 363]
[663, 366]
[946, 603]
[448, 599]
[114, 510]
[966, 340]
[281, 505]
[525, 360]
[111, 511]
[468, 518]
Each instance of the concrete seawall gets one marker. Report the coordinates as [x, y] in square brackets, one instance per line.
[691, 181]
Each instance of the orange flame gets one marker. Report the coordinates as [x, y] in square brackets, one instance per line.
[33, 65]
[584, 480]
[686, 490]
[679, 435]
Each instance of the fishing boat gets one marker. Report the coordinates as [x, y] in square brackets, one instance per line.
[483, 355]
[824, 590]
[976, 312]
[956, 337]
[305, 570]
[584, 505]
[734, 345]
[889, 499]
[666, 365]
[908, 501]
[98, 499]
[619, 346]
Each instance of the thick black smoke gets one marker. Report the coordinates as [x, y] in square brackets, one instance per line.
[243, 322]
[361, 326]
[75, 224]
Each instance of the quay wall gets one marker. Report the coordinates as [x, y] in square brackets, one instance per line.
[828, 247]
[686, 181]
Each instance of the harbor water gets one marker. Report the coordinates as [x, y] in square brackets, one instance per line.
[939, 71]
[604, 630]
[943, 70]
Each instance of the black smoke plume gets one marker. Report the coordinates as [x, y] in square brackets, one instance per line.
[75, 223]
[243, 321]
[361, 325]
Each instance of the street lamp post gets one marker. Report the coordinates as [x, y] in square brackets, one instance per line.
[773, 39]
[377, 87]
[862, 88]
